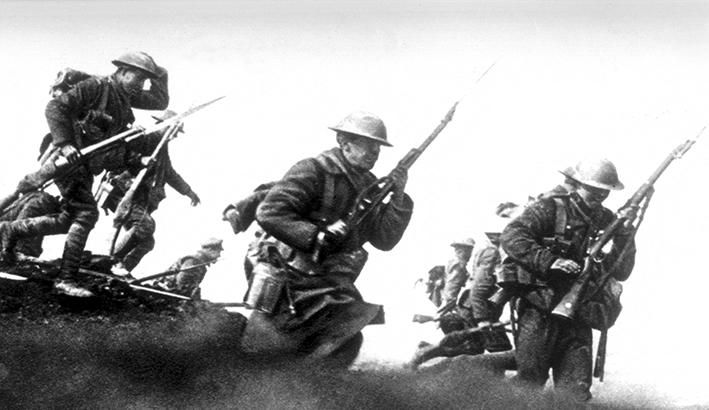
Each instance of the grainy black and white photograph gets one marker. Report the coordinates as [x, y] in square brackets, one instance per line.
[353, 204]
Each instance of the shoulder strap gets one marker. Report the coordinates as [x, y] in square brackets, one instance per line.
[560, 221]
[329, 194]
[104, 97]
[328, 197]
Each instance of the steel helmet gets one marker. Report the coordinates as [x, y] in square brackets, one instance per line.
[469, 242]
[213, 243]
[364, 124]
[139, 60]
[598, 173]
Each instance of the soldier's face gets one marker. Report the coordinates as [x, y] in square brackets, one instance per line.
[463, 252]
[592, 196]
[361, 152]
[132, 81]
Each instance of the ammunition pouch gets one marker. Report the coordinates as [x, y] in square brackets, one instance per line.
[602, 307]
[558, 246]
[94, 127]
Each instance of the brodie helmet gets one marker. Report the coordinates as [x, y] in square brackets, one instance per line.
[598, 173]
[365, 125]
[139, 60]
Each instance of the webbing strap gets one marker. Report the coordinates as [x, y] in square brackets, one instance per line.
[560, 221]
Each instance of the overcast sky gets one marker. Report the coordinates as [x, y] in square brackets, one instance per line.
[625, 80]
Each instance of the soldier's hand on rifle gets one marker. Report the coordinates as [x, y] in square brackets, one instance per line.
[628, 213]
[567, 266]
[71, 153]
[484, 324]
[399, 176]
[335, 233]
[194, 198]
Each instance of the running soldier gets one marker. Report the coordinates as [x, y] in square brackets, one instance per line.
[303, 290]
[137, 219]
[88, 112]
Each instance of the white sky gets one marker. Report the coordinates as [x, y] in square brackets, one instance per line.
[626, 80]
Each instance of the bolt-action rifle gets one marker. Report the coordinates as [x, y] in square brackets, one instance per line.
[571, 301]
[49, 170]
[123, 208]
[372, 197]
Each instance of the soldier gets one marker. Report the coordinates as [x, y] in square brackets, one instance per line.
[33, 204]
[482, 286]
[303, 293]
[456, 273]
[192, 269]
[90, 111]
[546, 341]
[434, 284]
[138, 221]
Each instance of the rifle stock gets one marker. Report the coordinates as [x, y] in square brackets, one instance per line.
[569, 304]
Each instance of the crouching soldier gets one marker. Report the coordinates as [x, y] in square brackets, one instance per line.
[302, 291]
[546, 246]
[190, 270]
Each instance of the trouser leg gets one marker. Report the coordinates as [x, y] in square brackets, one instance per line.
[535, 344]
[83, 217]
[138, 240]
[572, 367]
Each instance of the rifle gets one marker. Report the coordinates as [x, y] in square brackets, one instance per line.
[48, 171]
[569, 304]
[172, 272]
[374, 195]
[123, 207]
[90, 272]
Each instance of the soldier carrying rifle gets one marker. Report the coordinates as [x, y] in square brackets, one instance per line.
[134, 214]
[87, 113]
[302, 290]
[546, 247]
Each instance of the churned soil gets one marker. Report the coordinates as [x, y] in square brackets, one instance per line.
[127, 349]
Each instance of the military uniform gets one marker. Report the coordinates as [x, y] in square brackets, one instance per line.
[456, 277]
[546, 341]
[191, 270]
[91, 111]
[139, 224]
[320, 312]
[28, 206]
[482, 286]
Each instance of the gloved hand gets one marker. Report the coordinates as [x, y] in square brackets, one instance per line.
[71, 153]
